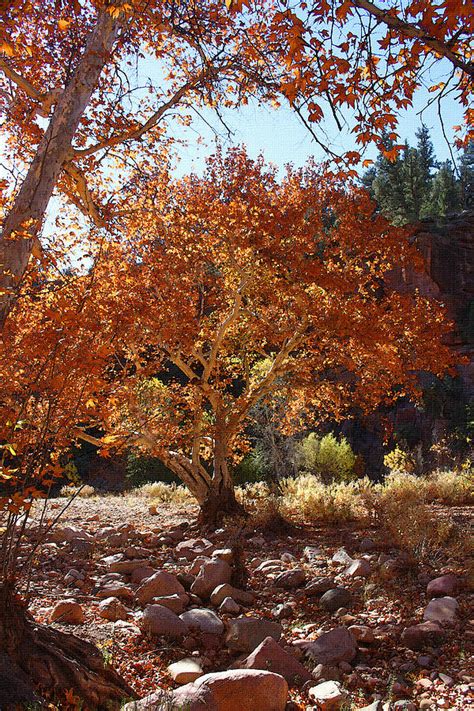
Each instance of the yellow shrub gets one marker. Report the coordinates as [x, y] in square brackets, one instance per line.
[330, 459]
[398, 460]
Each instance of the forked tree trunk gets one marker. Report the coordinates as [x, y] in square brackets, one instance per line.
[34, 657]
[220, 499]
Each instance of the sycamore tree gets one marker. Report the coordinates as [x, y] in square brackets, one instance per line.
[88, 90]
[251, 286]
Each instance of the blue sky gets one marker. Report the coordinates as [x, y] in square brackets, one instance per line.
[280, 135]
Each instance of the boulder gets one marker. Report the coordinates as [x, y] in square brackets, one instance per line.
[290, 579]
[362, 634]
[342, 556]
[67, 612]
[176, 603]
[234, 690]
[138, 575]
[358, 568]
[426, 634]
[338, 645]
[319, 586]
[112, 609]
[246, 633]
[194, 547]
[444, 585]
[213, 573]
[328, 696]
[115, 589]
[333, 599]
[186, 670]
[442, 610]
[124, 565]
[203, 620]
[243, 597]
[228, 606]
[159, 620]
[271, 657]
[160, 584]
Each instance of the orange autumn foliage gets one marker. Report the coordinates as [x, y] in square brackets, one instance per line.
[90, 90]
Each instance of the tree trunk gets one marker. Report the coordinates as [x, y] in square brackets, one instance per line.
[35, 657]
[220, 500]
[23, 222]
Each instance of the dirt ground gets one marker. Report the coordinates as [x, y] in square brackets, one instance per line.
[441, 677]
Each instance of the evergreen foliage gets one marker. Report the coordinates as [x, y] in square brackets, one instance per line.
[414, 185]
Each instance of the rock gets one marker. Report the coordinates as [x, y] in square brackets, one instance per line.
[283, 611]
[197, 564]
[312, 554]
[329, 695]
[67, 612]
[194, 547]
[234, 690]
[69, 533]
[389, 569]
[342, 556]
[228, 606]
[375, 706]
[326, 672]
[442, 610]
[246, 633]
[159, 620]
[112, 609]
[176, 603]
[338, 645]
[444, 585]
[214, 573]
[186, 670]
[138, 575]
[127, 628]
[290, 579]
[226, 590]
[288, 558]
[403, 705]
[203, 620]
[115, 589]
[332, 600]
[319, 586]
[358, 568]
[425, 660]
[160, 584]
[271, 657]
[366, 545]
[362, 634]
[125, 566]
[224, 554]
[186, 580]
[426, 634]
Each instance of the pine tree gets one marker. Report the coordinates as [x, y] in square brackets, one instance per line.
[445, 193]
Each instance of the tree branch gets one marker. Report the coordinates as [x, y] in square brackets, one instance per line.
[410, 30]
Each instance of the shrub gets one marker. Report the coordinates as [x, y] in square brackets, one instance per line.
[307, 495]
[162, 492]
[450, 487]
[328, 458]
[250, 469]
[84, 491]
[399, 460]
[142, 470]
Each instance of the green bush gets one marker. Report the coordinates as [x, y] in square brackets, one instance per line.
[143, 470]
[328, 458]
[250, 469]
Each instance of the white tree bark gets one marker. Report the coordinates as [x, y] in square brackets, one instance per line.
[23, 222]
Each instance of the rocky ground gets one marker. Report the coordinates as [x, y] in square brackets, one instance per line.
[251, 620]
